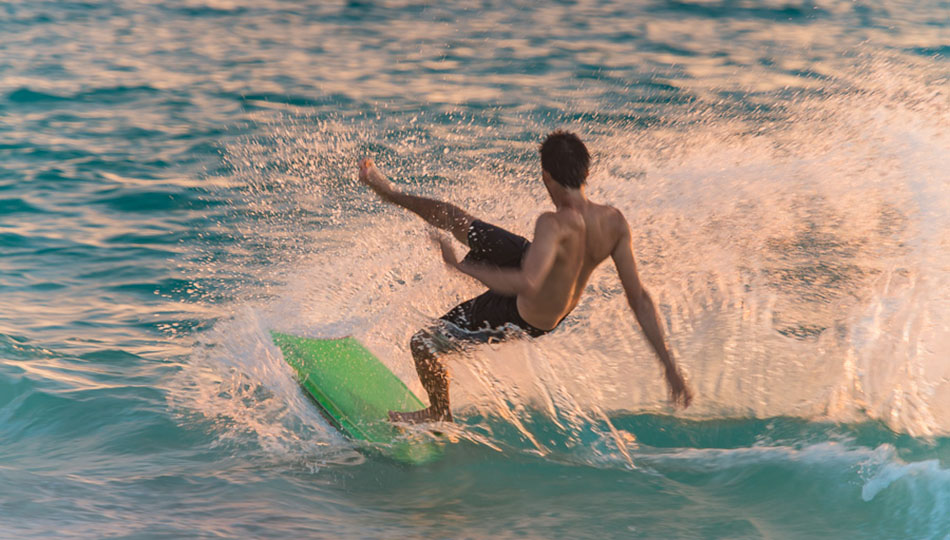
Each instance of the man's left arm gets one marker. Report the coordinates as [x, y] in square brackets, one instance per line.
[538, 261]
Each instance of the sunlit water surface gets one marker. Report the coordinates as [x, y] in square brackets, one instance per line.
[178, 178]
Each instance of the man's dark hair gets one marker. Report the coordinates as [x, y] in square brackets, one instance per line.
[565, 158]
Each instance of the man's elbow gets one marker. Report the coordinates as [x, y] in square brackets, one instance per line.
[643, 298]
[530, 287]
[639, 300]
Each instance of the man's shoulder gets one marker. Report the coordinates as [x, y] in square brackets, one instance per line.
[547, 222]
[612, 217]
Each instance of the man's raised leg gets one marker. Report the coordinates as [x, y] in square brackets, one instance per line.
[439, 214]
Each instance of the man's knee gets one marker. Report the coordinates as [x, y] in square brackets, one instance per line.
[427, 362]
[421, 346]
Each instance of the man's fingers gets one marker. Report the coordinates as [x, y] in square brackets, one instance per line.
[680, 392]
[683, 396]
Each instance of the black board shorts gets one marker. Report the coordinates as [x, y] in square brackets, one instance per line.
[491, 316]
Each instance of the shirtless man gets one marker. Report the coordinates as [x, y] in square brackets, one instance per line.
[532, 285]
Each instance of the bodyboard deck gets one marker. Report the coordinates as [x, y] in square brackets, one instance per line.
[356, 392]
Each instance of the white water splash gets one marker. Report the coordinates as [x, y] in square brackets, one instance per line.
[800, 267]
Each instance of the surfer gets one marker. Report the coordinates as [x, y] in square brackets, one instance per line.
[532, 285]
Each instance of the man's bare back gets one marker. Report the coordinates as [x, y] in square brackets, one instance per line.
[587, 236]
[580, 235]
[533, 285]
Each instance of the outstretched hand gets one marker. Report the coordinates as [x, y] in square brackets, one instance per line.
[445, 245]
[680, 391]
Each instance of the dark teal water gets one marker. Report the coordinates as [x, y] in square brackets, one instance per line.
[178, 178]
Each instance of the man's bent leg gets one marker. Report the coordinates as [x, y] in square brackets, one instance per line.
[428, 346]
[434, 378]
[443, 215]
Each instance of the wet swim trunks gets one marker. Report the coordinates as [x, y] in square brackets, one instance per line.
[489, 316]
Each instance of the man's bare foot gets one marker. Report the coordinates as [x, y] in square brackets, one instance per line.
[419, 417]
[371, 176]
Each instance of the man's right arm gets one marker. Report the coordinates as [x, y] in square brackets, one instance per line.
[645, 311]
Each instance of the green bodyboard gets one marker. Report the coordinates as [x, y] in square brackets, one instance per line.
[356, 392]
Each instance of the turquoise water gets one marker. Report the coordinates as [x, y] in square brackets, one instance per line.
[178, 178]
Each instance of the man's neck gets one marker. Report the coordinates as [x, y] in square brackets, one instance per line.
[569, 198]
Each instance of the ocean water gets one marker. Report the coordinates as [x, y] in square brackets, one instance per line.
[178, 177]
